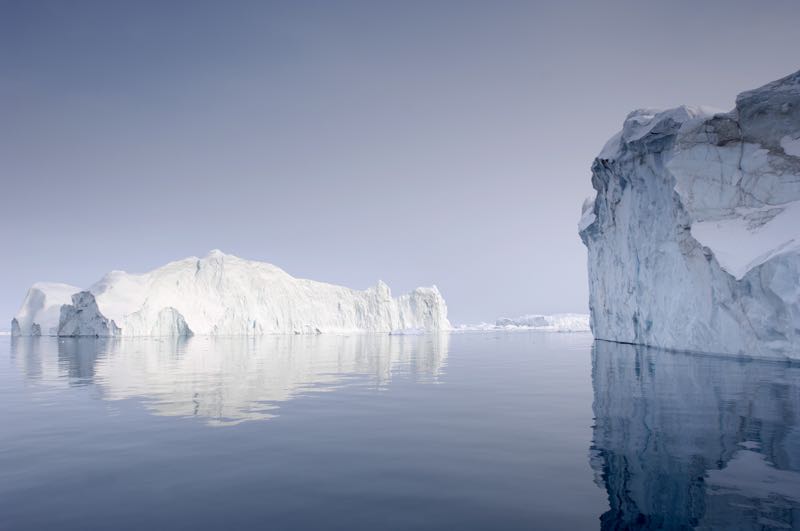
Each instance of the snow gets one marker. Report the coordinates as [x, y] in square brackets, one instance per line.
[222, 294]
[694, 233]
[643, 124]
[791, 146]
[563, 322]
[751, 236]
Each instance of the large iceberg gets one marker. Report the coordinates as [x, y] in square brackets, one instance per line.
[222, 294]
[694, 234]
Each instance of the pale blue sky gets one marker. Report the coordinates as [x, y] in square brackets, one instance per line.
[413, 142]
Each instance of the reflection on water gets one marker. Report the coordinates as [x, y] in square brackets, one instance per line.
[497, 439]
[227, 380]
[695, 442]
[680, 441]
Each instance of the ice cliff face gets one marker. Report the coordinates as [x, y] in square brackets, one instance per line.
[222, 295]
[83, 318]
[694, 235]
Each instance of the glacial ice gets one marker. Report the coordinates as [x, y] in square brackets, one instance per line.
[560, 322]
[84, 318]
[694, 233]
[41, 309]
[222, 294]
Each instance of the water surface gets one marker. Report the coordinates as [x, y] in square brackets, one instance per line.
[467, 431]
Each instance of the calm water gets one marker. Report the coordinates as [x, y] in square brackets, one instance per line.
[471, 431]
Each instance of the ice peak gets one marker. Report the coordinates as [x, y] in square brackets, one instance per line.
[383, 289]
[216, 253]
[789, 84]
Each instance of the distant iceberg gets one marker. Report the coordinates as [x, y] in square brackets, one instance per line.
[222, 294]
[560, 322]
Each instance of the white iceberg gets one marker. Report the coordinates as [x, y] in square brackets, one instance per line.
[560, 322]
[694, 234]
[222, 294]
[41, 309]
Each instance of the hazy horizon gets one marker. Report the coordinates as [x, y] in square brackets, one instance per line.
[420, 143]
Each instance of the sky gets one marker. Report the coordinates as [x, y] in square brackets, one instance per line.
[419, 143]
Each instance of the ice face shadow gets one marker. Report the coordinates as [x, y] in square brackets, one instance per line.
[685, 441]
[227, 380]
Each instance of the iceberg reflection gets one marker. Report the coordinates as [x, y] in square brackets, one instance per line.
[685, 441]
[227, 380]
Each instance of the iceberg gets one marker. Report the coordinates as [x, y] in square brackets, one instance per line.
[560, 322]
[693, 236]
[41, 309]
[222, 294]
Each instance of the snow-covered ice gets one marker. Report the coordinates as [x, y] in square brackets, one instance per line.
[751, 236]
[562, 322]
[41, 309]
[694, 233]
[221, 294]
[791, 146]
